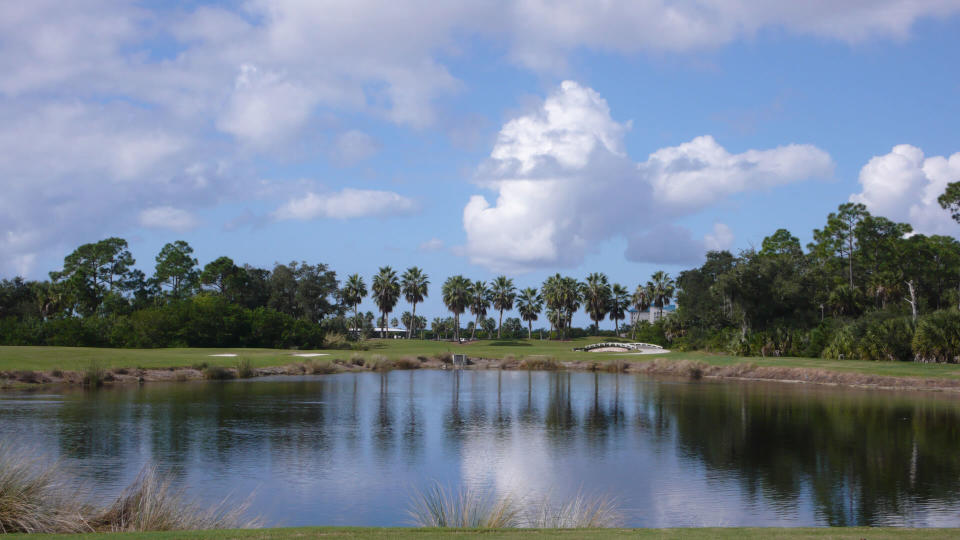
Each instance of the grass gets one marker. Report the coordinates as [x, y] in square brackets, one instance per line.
[35, 498]
[349, 533]
[46, 359]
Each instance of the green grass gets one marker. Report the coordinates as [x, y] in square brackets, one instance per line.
[854, 533]
[78, 358]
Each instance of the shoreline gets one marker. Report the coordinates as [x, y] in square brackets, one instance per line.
[658, 366]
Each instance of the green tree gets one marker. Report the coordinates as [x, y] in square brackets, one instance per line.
[950, 200]
[596, 298]
[503, 294]
[92, 271]
[177, 269]
[456, 296]
[354, 290]
[414, 284]
[619, 304]
[385, 291]
[661, 288]
[479, 303]
[529, 304]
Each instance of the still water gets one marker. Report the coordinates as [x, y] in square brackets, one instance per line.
[349, 449]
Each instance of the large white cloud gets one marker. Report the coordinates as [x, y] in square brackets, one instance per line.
[564, 185]
[903, 185]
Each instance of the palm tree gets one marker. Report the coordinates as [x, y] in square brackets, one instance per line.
[596, 295]
[503, 294]
[437, 325]
[385, 292]
[456, 296]
[414, 284]
[619, 303]
[641, 301]
[529, 304]
[479, 303]
[661, 288]
[551, 296]
[353, 292]
[570, 298]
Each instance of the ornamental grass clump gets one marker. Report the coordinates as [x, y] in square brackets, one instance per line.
[150, 504]
[94, 375]
[34, 498]
[245, 369]
[438, 506]
[581, 512]
[540, 363]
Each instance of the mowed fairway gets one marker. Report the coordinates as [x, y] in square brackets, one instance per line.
[854, 533]
[78, 358]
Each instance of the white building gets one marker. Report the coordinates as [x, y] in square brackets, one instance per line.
[650, 315]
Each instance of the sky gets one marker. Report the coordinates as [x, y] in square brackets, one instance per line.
[474, 137]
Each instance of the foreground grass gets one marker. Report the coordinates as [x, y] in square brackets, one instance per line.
[854, 533]
[78, 358]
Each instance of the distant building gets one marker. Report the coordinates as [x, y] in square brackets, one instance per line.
[651, 315]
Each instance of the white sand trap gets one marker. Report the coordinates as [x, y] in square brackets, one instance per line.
[310, 354]
[222, 354]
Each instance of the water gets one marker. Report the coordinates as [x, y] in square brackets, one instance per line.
[349, 449]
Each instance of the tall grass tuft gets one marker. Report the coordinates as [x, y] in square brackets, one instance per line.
[150, 504]
[538, 362]
[218, 373]
[581, 512]
[245, 369]
[34, 499]
[94, 374]
[441, 507]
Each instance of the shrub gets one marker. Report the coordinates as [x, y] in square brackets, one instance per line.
[441, 507]
[359, 346]
[445, 357]
[218, 373]
[357, 360]
[937, 338]
[379, 363]
[406, 362]
[27, 376]
[538, 362]
[320, 368]
[336, 341]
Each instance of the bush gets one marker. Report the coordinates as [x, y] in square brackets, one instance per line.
[218, 373]
[406, 363]
[94, 375]
[357, 360]
[336, 341]
[937, 338]
[542, 363]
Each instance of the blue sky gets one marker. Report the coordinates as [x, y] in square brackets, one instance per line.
[624, 138]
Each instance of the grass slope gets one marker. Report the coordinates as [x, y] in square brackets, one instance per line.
[853, 533]
[78, 358]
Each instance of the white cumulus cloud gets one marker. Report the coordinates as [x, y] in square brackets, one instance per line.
[564, 184]
[346, 204]
[168, 217]
[903, 185]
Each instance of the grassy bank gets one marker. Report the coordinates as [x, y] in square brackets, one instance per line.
[78, 358]
[853, 533]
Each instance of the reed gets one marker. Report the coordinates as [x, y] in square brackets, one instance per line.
[94, 375]
[438, 506]
[581, 512]
[245, 369]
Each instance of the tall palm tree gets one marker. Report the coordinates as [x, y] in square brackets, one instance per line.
[529, 304]
[551, 297]
[456, 296]
[353, 292]
[619, 303]
[662, 287]
[503, 294]
[596, 296]
[385, 292]
[641, 301]
[414, 284]
[479, 303]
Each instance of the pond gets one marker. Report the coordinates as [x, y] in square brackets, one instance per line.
[349, 449]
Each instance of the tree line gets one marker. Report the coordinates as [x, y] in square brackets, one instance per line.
[865, 287]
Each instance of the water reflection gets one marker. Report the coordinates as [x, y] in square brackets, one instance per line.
[347, 449]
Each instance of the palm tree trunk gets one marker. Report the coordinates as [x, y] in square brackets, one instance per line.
[473, 333]
[356, 315]
[500, 326]
[616, 327]
[529, 329]
[413, 321]
[456, 328]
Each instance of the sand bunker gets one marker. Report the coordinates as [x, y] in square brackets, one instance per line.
[310, 354]
[222, 354]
